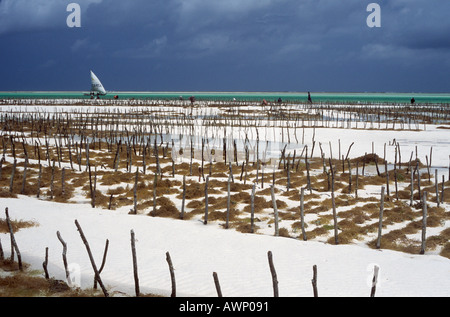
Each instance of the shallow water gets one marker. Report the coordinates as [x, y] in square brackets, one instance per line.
[317, 97]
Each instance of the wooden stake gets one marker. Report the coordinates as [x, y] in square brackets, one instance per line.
[252, 208]
[103, 262]
[228, 202]
[374, 281]
[314, 281]
[274, 274]
[135, 191]
[135, 269]
[336, 240]
[63, 174]
[24, 179]
[302, 219]
[13, 241]
[64, 244]
[412, 186]
[424, 222]
[380, 222]
[206, 200]
[357, 177]
[349, 176]
[387, 181]
[52, 180]
[11, 183]
[45, 263]
[275, 209]
[436, 186]
[172, 275]
[39, 181]
[217, 284]
[97, 274]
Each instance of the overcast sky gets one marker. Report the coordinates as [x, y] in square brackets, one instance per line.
[226, 45]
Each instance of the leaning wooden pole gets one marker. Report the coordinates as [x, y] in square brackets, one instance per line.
[14, 245]
[103, 262]
[217, 284]
[97, 274]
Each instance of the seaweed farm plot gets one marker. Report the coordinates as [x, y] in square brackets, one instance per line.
[357, 174]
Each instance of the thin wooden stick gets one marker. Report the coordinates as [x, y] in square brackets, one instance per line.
[314, 281]
[206, 200]
[374, 281]
[274, 274]
[103, 262]
[135, 269]
[2, 255]
[217, 284]
[424, 222]
[64, 244]
[135, 191]
[302, 212]
[97, 274]
[252, 212]
[45, 263]
[13, 241]
[172, 275]
[11, 182]
[436, 184]
[336, 237]
[380, 222]
[184, 197]
[275, 210]
[228, 203]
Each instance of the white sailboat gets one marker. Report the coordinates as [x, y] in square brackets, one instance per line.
[96, 86]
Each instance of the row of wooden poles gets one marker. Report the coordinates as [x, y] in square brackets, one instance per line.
[64, 121]
[143, 147]
[97, 270]
[92, 183]
[130, 144]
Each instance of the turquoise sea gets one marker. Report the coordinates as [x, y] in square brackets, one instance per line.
[320, 97]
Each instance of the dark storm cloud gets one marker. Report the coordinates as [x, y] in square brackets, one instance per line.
[233, 44]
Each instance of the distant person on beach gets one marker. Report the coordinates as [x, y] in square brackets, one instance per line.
[279, 100]
[413, 100]
[309, 97]
[192, 99]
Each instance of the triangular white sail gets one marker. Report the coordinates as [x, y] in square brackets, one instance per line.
[96, 85]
